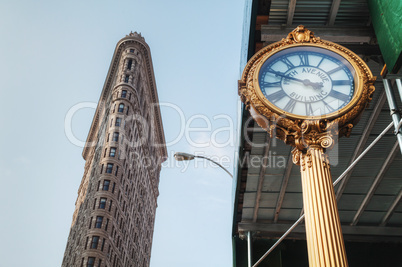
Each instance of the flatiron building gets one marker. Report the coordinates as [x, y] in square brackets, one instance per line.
[114, 213]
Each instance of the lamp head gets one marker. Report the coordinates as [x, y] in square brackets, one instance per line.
[180, 156]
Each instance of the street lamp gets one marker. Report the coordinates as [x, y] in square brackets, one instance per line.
[180, 156]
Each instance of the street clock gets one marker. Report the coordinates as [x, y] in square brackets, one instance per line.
[302, 81]
[308, 92]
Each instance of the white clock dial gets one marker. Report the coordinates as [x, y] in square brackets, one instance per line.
[307, 81]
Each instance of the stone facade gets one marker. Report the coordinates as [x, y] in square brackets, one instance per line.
[115, 209]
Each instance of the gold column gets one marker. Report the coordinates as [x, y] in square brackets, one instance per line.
[323, 229]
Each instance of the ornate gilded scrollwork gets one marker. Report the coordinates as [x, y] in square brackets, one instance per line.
[301, 35]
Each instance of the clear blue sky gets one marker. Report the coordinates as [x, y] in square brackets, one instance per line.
[56, 54]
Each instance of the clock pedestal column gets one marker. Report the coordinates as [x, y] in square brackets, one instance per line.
[323, 229]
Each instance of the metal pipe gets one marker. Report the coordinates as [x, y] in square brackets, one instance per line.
[396, 117]
[399, 85]
[363, 153]
[335, 183]
[279, 240]
[249, 247]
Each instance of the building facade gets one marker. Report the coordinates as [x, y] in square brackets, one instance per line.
[114, 213]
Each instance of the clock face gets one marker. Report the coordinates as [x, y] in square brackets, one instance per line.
[307, 81]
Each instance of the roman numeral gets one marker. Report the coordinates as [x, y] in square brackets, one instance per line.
[267, 84]
[288, 63]
[290, 106]
[270, 70]
[309, 109]
[276, 96]
[304, 60]
[338, 95]
[341, 82]
[330, 109]
[334, 70]
[319, 63]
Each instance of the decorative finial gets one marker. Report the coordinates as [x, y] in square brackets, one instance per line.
[135, 34]
[301, 35]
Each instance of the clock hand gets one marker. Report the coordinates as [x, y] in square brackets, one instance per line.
[305, 81]
[317, 85]
[287, 77]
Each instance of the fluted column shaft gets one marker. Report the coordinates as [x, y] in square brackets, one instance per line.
[323, 229]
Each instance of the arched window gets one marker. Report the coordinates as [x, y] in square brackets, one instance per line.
[121, 108]
[123, 94]
[130, 64]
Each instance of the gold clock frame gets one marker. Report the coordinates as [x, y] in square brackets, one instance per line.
[303, 131]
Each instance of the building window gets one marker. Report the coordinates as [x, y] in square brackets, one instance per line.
[117, 170]
[110, 205]
[103, 244]
[121, 108]
[123, 94]
[126, 78]
[109, 168]
[102, 203]
[106, 184]
[127, 110]
[90, 222]
[131, 50]
[130, 63]
[115, 137]
[118, 121]
[91, 262]
[112, 152]
[107, 224]
[94, 242]
[114, 185]
[98, 223]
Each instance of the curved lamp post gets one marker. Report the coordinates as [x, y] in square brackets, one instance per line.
[180, 156]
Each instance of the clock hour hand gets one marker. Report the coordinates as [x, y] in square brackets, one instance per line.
[314, 85]
[305, 81]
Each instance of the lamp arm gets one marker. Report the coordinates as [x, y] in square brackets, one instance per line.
[215, 163]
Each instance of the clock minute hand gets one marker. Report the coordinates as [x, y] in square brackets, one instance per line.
[305, 81]
[287, 77]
